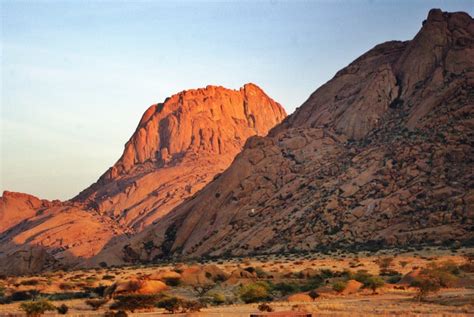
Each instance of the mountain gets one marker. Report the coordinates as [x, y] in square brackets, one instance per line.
[178, 147]
[379, 156]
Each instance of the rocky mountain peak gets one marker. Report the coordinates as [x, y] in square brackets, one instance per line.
[178, 146]
[356, 100]
[442, 48]
[208, 121]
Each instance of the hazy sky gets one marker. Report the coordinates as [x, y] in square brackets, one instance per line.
[77, 75]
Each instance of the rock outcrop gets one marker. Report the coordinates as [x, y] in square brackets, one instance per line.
[381, 155]
[178, 147]
[16, 207]
[59, 236]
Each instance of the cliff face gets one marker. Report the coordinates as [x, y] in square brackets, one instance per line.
[380, 155]
[178, 147]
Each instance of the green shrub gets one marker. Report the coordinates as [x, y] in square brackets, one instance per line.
[312, 283]
[191, 306]
[217, 298]
[346, 274]
[96, 303]
[265, 307]
[37, 308]
[172, 281]
[103, 264]
[68, 296]
[171, 304]
[369, 280]
[313, 294]
[91, 279]
[99, 290]
[373, 283]
[5, 300]
[256, 292]
[384, 264]
[361, 276]
[286, 288]
[394, 279]
[31, 282]
[326, 273]
[24, 295]
[66, 286]
[134, 301]
[261, 272]
[219, 278]
[339, 286]
[305, 285]
[63, 309]
[120, 313]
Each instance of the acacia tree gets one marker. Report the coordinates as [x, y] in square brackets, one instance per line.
[426, 285]
[373, 283]
[433, 278]
[384, 264]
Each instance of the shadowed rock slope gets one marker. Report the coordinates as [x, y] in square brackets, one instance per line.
[178, 147]
[381, 155]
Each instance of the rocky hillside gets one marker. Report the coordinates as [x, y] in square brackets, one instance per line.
[178, 147]
[381, 155]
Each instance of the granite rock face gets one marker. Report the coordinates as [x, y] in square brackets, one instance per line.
[381, 155]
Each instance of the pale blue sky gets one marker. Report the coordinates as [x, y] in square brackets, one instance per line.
[77, 75]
